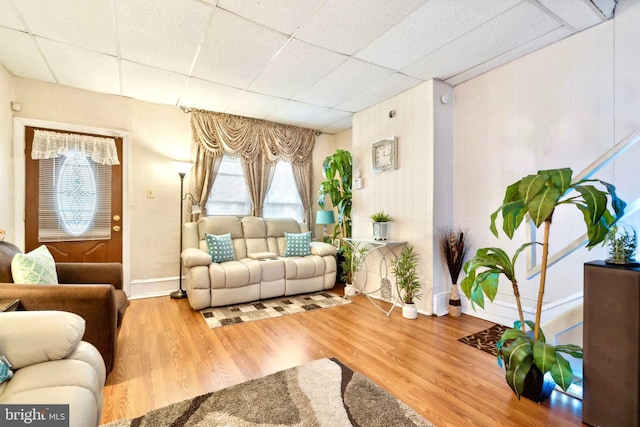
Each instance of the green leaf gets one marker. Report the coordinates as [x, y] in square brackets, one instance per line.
[512, 215]
[618, 204]
[561, 372]
[531, 185]
[570, 349]
[477, 296]
[492, 227]
[595, 200]
[488, 281]
[561, 178]
[544, 356]
[519, 251]
[512, 193]
[543, 204]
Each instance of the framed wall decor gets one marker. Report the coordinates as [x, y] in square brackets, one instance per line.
[384, 155]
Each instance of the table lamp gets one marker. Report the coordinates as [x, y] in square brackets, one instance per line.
[324, 218]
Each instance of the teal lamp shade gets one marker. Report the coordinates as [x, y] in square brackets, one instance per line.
[325, 217]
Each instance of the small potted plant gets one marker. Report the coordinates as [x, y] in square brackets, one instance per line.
[351, 262]
[622, 243]
[381, 221]
[405, 269]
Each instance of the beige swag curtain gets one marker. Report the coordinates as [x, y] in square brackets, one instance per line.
[258, 144]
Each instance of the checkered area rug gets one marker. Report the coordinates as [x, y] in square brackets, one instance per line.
[266, 309]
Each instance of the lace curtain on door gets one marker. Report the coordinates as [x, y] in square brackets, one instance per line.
[74, 185]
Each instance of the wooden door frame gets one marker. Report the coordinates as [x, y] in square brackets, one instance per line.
[19, 181]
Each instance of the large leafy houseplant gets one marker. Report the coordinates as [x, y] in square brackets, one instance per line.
[337, 172]
[538, 195]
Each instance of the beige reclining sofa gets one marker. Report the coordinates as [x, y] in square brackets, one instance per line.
[259, 269]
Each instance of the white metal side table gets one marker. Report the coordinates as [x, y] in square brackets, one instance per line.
[387, 250]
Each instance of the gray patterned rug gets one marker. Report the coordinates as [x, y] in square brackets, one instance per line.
[321, 393]
[266, 309]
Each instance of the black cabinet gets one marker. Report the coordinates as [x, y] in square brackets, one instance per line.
[611, 342]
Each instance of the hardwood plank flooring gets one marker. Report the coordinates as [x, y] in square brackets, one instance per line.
[166, 353]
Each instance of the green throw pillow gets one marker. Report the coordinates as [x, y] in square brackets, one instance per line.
[297, 244]
[220, 247]
[34, 268]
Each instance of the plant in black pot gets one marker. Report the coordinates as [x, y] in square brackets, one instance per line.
[523, 349]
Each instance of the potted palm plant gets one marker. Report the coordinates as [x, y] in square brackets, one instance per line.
[405, 269]
[523, 349]
[381, 221]
[337, 171]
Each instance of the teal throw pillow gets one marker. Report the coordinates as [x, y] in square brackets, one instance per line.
[220, 247]
[34, 268]
[297, 244]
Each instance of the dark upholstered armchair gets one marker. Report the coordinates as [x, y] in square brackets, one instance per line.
[91, 290]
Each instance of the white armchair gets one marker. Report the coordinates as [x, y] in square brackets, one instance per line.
[51, 364]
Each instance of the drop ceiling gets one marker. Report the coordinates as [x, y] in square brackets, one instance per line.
[310, 63]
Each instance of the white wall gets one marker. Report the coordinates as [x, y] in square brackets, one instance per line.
[6, 179]
[158, 135]
[562, 106]
[418, 195]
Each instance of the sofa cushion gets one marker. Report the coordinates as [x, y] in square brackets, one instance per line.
[297, 244]
[30, 337]
[34, 268]
[220, 247]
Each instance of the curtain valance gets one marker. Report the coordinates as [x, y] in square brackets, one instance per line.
[247, 138]
[49, 145]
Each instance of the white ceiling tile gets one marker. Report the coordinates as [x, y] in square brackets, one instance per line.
[327, 118]
[516, 27]
[255, 105]
[20, 56]
[162, 33]
[296, 113]
[285, 16]
[574, 12]
[88, 24]
[151, 84]
[349, 79]
[429, 28]
[387, 88]
[10, 17]
[208, 96]
[81, 68]
[339, 126]
[235, 50]
[511, 55]
[296, 68]
[347, 26]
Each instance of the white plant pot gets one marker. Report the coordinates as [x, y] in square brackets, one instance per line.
[380, 230]
[350, 290]
[409, 311]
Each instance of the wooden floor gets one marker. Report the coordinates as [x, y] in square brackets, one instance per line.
[166, 353]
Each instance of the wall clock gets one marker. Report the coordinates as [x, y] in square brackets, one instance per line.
[385, 155]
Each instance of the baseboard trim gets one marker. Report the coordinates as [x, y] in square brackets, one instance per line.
[156, 287]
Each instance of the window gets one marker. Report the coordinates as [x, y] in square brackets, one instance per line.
[230, 196]
[283, 199]
[75, 199]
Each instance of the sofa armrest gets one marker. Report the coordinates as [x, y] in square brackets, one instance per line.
[323, 249]
[109, 273]
[192, 257]
[30, 337]
[96, 304]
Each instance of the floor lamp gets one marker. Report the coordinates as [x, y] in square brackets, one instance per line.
[183, 168]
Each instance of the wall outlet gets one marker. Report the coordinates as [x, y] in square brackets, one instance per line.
[151, 192]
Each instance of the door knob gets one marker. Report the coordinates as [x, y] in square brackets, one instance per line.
[116, 228]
